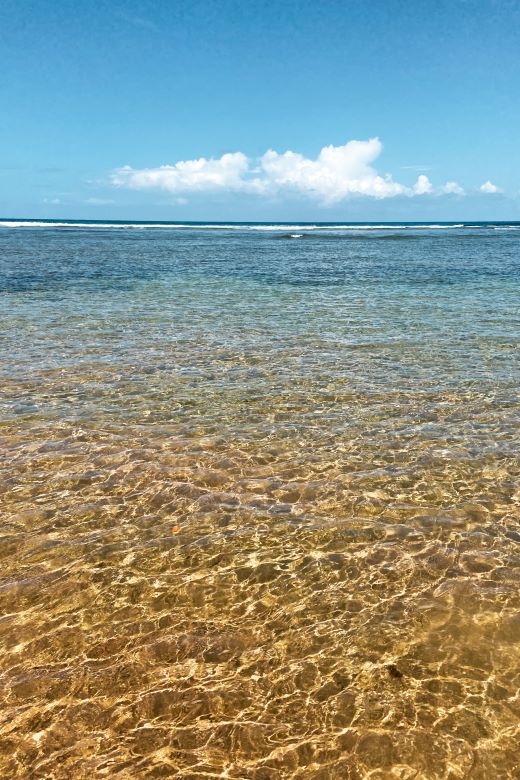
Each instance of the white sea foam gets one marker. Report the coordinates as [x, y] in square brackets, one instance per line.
[293, 230]
[96, 225]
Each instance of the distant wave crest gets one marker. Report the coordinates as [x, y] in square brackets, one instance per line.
[293, 231]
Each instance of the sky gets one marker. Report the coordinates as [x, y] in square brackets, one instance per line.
[260, 110]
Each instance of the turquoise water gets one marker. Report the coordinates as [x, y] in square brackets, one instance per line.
[261, 500]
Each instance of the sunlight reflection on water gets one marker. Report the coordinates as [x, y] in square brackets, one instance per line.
[260, 505]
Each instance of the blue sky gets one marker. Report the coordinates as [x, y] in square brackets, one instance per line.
[118, 109]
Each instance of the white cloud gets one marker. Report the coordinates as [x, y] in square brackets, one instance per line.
[336, 173]
[99, 201]
[225, 173]
[423, 185]
[489, 188]
[451, 188]
[52, 201]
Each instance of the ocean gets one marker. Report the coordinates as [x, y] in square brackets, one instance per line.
[260, 500]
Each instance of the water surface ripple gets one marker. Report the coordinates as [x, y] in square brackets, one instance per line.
[260, 502]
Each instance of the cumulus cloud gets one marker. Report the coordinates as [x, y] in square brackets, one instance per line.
[225, 173]
[451, 188]
[336, 173]
[423, 185]
[489, 188]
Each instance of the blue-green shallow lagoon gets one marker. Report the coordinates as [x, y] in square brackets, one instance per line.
[261, 500]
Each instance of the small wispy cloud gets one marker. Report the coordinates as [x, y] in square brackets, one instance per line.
[337, 172]
[489, 188]
[138, 21]
[99, 201]
[451, 188]
[52, 201]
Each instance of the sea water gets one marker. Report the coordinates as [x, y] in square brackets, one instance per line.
[260, 500]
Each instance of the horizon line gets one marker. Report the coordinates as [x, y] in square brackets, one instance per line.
[263, 221]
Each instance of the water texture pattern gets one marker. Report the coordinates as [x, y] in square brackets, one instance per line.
[260, 502]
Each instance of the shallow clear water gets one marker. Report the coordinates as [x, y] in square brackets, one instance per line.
[260, 502]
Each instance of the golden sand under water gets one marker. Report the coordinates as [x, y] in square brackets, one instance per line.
[182, 605]
[260, 506]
